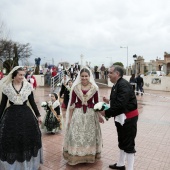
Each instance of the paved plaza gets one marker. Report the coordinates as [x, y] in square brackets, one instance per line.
[152, 141]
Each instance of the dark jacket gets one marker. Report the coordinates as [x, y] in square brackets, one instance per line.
[70, 70]
[132, 80]
[66, 97]
[139, 81]
[122, 99]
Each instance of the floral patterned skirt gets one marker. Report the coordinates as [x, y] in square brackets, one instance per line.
[83, 139]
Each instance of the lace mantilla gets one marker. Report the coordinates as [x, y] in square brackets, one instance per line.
[17, 98]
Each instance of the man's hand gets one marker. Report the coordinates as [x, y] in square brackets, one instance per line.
[106, 100]
[102, 113]
[101, 120]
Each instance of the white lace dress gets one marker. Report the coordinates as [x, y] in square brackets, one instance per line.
[83, 139]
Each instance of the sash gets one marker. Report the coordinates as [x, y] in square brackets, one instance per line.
[58, 117]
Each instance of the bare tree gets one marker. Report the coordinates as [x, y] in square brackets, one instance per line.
[12, 52]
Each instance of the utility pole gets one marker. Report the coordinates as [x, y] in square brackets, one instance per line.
[81, 57]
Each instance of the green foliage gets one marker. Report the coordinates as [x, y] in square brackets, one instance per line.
[9, 64]
[118, 64]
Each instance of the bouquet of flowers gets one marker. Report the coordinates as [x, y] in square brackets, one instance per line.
[100, 106]
[46, 104]
[59, 84]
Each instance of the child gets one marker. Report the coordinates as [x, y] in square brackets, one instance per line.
[52, 121]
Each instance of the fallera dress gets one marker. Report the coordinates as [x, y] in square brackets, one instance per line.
[83, 139]
[51, 123]
[20, 136]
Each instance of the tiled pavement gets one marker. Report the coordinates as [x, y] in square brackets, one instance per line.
[152, 141]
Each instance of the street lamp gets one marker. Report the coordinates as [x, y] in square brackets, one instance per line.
[81, 57]
[135, 58]
[127, 59]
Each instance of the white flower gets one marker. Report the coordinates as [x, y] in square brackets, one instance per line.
[59, 84]
[43, 104]
[98, 106]
[50, 103]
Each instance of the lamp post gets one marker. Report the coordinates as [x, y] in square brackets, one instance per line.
[81, 57]
[127, 59]
[135, 58]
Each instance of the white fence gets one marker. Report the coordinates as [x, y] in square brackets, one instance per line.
[56, 80]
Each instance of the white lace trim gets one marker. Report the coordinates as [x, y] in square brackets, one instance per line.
[56, 104]
[18, 98]
[87, 96]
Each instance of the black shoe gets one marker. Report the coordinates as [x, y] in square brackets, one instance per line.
[117, 167]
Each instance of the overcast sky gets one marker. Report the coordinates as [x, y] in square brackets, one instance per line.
[64, 29]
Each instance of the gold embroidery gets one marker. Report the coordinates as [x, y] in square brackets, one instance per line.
[87, 96]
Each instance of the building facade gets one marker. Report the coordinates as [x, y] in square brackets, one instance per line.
[142, 67]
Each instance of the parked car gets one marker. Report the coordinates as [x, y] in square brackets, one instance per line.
[155, 73]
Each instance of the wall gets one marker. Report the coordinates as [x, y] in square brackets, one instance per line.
[39, 79]
[150, 84]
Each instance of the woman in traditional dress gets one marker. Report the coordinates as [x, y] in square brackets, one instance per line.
[52, 121]
[66, 97]
[83, 140]
[20, 136]
[63, 85]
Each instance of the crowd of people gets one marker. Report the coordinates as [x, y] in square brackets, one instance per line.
[20, 143]
[73, 70]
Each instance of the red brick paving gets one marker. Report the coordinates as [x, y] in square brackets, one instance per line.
[152, 141]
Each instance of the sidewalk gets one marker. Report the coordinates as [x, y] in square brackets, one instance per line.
[152, 141]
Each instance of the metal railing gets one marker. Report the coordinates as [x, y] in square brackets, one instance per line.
[56, 80]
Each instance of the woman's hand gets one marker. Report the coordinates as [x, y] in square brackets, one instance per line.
[106, 100]
[39, 120]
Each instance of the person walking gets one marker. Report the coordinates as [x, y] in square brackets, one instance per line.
[20, 136]
[63, 85]
[71, 71]
[140, 83]
[123, 107]
[132, 81]
[102, 70]
[66, 97]
[83, 140]
[48, 77]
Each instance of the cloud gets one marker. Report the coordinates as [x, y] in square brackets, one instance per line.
[65, 29]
